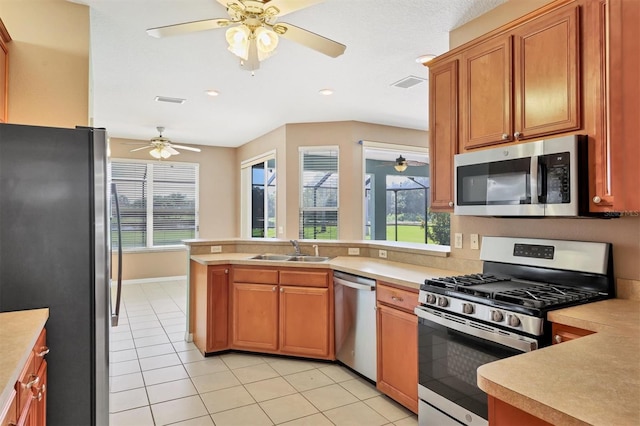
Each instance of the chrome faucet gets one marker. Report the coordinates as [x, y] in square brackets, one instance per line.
[296, 246]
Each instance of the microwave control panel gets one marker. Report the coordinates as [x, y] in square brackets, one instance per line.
[556, 177]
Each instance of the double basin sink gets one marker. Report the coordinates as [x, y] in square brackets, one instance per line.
[290, 258]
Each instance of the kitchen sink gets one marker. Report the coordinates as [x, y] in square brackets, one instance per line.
[272, 257]
[308, 259]
[290, 258]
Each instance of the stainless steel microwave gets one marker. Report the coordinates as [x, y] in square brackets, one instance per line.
[540, 178]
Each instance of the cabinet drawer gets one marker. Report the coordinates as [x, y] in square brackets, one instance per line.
[40, 349]
[564, 333]
[400, 298]
[26, 382]
[304, 278]
[257, 276]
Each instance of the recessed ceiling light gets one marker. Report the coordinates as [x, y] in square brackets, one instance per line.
[423, 59]
[212, 92]
[326, 92]
[170, 100]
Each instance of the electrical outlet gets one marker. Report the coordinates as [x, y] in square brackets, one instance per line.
[457, 240]
[382, 254]
[354, 251]
[280, 230]
[473, 242]
[216, 249]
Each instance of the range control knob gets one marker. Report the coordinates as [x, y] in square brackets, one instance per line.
[514, 321]
[467, 308]
[442, 301]
[497, 316]
[431, 299]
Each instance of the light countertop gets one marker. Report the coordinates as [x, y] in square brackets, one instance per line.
[392, 272]
[18, 333]
[591, 380]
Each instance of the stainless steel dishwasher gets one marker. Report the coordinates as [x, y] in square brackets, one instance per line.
[355, 322]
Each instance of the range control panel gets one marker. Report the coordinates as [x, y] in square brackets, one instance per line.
[533, 250]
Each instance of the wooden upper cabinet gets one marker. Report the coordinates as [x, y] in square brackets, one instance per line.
[547, 74]
[523, 84]
[486, 93]
[443, 132]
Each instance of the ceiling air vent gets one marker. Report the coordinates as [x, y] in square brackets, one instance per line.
[407, 82]
[170, 100]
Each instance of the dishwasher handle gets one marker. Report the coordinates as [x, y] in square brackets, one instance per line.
[351, 284]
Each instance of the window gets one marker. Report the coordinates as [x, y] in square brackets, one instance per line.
[396, 205]
[319, 193]
[258, 196]
[158, 203]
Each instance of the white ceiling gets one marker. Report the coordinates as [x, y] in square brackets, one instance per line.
[383, 38]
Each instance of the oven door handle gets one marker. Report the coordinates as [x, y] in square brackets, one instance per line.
[480, 331]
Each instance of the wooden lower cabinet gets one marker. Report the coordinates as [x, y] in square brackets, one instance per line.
[397, 342]
[210, 305]
[504, 414]
[255, 316]
[304, 321]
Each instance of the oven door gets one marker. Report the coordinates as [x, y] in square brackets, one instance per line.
[450, 350]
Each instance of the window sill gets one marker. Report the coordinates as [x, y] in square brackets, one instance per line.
[152, 249]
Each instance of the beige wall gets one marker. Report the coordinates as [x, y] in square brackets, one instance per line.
[623, 233]
[218, 215]
[345, 134]
[48, 62]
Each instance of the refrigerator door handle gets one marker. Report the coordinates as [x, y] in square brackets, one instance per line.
[115, 315]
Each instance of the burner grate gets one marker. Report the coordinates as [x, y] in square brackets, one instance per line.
[544, 295]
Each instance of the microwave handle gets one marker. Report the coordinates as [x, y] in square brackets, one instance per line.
[534, 182]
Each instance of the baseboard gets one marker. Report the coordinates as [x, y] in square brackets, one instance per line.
[153, 280]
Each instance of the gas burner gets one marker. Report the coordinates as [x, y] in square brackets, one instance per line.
[545, 295]
[464, 280]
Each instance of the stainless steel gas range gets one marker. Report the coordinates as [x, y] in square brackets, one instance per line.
[467, 321]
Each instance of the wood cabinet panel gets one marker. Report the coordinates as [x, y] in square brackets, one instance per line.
[503, 414]
[397, 343]
[563, 333]
[255, 316]
[304, 321]
[486, 93]
[443, 132]
[546, 74]
[9, 413]
[403, 299]
[255, 275]
[210, 307]
[304, 278]
[4, 80]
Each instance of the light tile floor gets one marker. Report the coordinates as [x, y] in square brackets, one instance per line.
[157, 378]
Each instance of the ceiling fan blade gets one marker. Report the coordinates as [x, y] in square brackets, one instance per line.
[287, 6]
[140, 149]
[171, 150]
[189, 27]
[188, 148]
[309, 39]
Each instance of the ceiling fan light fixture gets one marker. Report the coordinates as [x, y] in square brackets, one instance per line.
[160, 153]
[266, 40]
[401, 164]
[238, 39]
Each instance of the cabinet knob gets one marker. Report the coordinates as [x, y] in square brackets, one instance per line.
[34, 381]
[275, 287]
[281, 290]
[557, 338]
[397, 299]
[505, 136]
[597, 199]
[450, 203]
[43, 351]
[517, 135]
[226, 271]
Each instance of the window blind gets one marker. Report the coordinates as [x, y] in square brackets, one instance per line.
[319, 193]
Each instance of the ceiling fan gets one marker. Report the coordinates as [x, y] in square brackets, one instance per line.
[162, 147]
[253, 32]
[401, 163]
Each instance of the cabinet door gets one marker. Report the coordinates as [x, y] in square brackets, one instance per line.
[8, 413]
[39, 404]
[398, 355]
[486, 94]
[443, 132]
[304, 321]
[4, 80]
[547, 74]
[255, 316]
[217, 308]
[564, 333]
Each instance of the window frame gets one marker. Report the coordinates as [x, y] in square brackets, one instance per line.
[246, 187]
[149, 246]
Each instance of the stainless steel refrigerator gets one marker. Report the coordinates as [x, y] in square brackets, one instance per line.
[55, 253]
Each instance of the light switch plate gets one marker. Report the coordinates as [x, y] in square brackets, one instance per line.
[382, 254]
[473, 242]
[457, 243]
[354, 251]
[216, 249]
